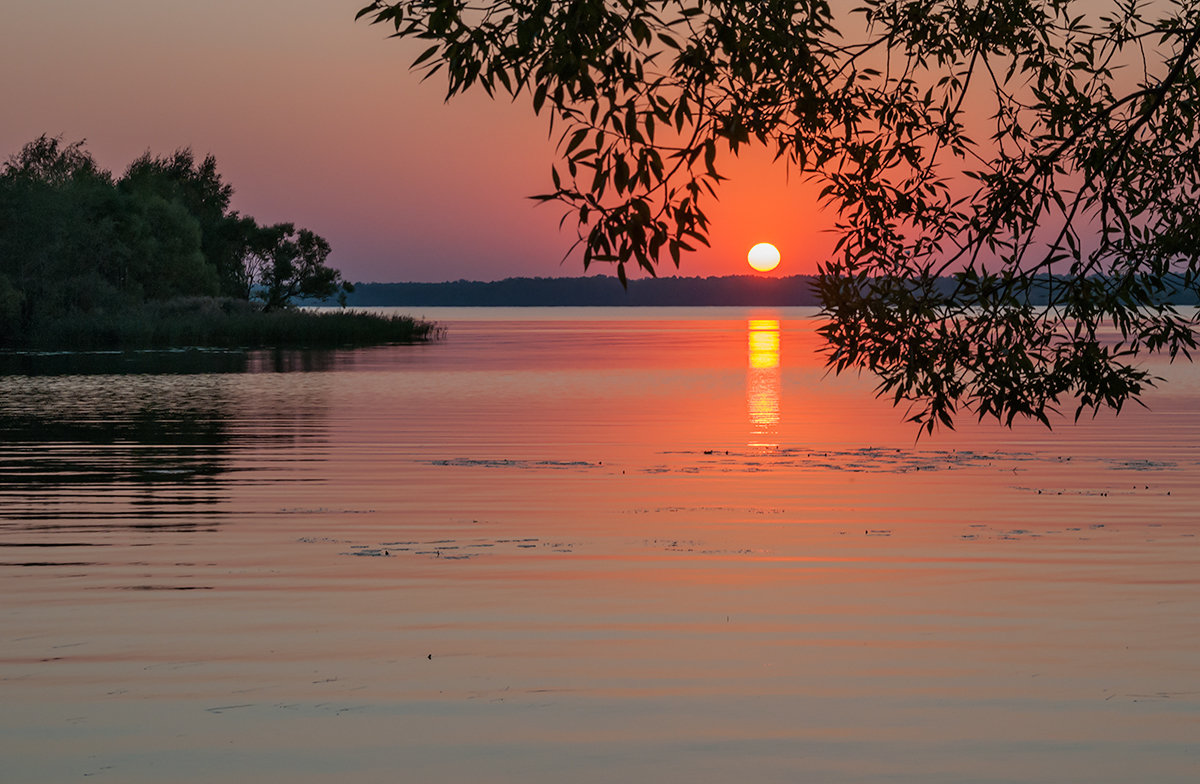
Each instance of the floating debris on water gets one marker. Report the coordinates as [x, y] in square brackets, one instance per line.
[471, 462]
[450, 549]
[1140, 465]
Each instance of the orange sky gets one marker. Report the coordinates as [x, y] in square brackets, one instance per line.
[316, 119]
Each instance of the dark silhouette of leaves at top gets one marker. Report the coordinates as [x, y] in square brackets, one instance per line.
[1015, 182]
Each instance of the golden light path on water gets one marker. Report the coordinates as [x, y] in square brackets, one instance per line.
[763, 382]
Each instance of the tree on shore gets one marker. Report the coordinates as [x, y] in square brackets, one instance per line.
[285, 264]
[74, 240]
[198, 187]
[1042, 154]
[61, 242]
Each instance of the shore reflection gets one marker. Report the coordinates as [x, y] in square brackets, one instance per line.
[763, 382]
[88, 450]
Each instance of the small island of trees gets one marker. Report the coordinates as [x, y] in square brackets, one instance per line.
[156, 257]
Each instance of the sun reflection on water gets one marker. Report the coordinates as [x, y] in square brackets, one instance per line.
[762, 382]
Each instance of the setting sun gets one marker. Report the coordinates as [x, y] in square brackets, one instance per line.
[763, 257]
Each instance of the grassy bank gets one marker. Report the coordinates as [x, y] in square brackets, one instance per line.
[213, 322]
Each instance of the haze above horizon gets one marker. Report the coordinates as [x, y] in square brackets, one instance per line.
[317, 120]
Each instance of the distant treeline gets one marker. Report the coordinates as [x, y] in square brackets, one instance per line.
[590, 291]
[602, 290]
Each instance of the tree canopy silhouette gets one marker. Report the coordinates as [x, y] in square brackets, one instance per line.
[1041, 155]
[75, 240]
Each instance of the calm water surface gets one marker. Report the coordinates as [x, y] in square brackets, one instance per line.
[583, 545]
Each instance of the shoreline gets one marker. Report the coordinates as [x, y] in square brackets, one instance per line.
[221, 324]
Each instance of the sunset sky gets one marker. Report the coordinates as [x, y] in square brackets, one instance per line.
[316, 119]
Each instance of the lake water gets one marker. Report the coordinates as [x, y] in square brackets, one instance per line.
[584, 545]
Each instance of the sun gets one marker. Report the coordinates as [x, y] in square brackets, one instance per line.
[764, 257]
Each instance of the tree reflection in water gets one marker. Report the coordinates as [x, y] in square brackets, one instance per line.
[145, 440]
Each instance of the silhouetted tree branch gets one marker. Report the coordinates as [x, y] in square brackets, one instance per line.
[1044, 154]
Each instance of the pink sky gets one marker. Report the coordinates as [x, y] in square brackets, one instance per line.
[317, 120]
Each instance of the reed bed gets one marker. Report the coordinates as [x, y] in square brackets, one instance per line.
[223, 323]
